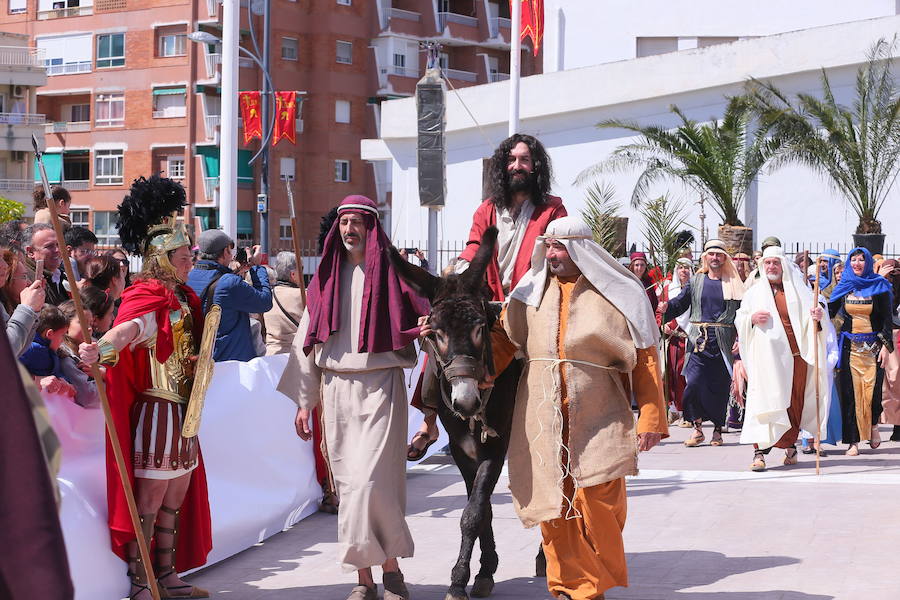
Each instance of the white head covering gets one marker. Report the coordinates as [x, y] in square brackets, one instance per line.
[684, 319]
[732, 284]
[616, 283]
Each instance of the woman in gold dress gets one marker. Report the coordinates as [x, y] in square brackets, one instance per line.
[862, 301]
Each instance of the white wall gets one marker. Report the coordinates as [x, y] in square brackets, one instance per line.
[600, 31]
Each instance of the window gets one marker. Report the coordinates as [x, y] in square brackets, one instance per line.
[289, 48]
[341, 111]
[169, 102]
[173, 44]
[67, 54]
[444, 61]
[108, 167]
[80, 113]
[111, 50]
[400, 61]
[284, 229]
[345, 2]
[79, 217]
[18, 6]
[110, 109]
[288, 167]
[344, 52]
[105, 228]
[650, 46]
[342, 171]
[175, 167]
[76, 168]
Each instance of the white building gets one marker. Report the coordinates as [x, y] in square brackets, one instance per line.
[561, 107]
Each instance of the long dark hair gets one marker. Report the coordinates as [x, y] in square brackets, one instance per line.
[542, 171]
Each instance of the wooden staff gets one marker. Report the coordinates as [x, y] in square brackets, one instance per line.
[818, 435]
[295, 239]
[98, 379]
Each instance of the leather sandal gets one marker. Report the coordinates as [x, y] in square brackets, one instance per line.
[716, 439]
[875, 439]
[363, 592]
[137, 573]
[414, 454]
[853, 450]
[394, 586]
[790, 457]
[759, 462]
[696, 438]
[167, 569]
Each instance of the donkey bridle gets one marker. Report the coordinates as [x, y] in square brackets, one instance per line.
[468, 367]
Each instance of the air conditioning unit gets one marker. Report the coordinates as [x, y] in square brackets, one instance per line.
[18, 91]
[18, 155]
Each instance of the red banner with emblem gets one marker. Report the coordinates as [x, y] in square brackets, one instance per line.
[532, 22]
[285, 117]
[251, 113]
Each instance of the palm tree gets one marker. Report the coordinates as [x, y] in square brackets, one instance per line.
[664, 221]
[714, 159]
[857, 148]
[601, 213]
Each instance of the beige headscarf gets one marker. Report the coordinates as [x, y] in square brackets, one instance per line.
[616, 283]
[732, 286]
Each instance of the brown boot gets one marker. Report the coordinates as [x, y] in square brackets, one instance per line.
[137, 572]
[170, 586]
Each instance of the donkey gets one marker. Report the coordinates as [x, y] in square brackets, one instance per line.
[477, 421]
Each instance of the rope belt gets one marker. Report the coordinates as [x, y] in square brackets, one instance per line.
[704, 326]
[571, 511]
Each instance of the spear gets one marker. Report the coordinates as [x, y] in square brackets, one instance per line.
[98, 378]
[295, 238]
[818, 435]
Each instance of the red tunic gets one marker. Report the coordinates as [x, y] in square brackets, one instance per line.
[125, 381]
[486, 216]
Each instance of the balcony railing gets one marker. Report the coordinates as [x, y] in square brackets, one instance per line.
[448, 17]
[246, 63]
[498, 77]
[210, 186]
[212, 7]
[212, 121]
[60, 13]
[406, 15]
[78, 185]
[405, 71]
[22, 119]
[460, 75]
[17, 185]
[170, 112]
[70, 68]
[212, 61]
[19, 56]
[67, 127]
[498, 23]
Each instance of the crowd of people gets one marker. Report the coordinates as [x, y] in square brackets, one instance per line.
[742, 342]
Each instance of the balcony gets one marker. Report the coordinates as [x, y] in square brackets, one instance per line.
[213, 60]
[212, 123]
[67, 127]
[61, 13]
[170, 112]
[405, 72]
[406, 15]
[498, 23]
[16, 185]
[448, 17]
[18, 56]
[460, 75]
[70, 68]
[212, 7]
[77, 185]
[494, 77]
[22, 119]
[211, 184]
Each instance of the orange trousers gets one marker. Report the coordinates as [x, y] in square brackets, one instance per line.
[586, 555]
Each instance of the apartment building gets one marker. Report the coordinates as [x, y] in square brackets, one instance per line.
[129, 94]
[22, 72]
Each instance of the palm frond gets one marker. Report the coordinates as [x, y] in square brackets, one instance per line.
[664, 221]
[601, 212]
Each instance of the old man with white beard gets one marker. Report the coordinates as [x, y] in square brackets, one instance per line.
[776, 323]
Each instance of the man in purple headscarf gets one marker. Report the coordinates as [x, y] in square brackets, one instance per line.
[353, 342]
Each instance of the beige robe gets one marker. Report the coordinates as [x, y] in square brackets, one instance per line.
[280, 331]
[602, 434]
[365, 411]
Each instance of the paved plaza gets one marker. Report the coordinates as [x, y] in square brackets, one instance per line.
[700, 526]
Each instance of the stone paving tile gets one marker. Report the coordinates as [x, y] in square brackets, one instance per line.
[700, 527]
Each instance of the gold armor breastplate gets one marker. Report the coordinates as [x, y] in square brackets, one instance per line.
[173, 379]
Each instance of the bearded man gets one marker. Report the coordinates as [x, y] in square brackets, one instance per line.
[712, 297]
[775, 326]
[520, 207]
[589, 338]
[742, 264]
[353, 342]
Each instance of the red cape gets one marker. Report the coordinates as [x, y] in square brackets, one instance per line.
[125, 381]
[486, 216]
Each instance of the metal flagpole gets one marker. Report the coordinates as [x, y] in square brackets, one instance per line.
[229, 129]
[515, 66]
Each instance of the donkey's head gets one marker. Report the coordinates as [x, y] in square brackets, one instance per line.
[460, 323]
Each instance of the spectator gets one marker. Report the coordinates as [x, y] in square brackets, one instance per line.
[287, 299]
[104, 273]
[73, 369]
[41, 359]
[124, 265]
[20, 301]
[81, 243]
[101, 304]
[63, 201]
[423, 262]
[40, 243]
[11, 233]
[216, 284]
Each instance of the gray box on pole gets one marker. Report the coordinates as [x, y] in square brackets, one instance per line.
[431, 152]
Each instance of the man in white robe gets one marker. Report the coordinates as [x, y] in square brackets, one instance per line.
[351, 362]
[776, 324]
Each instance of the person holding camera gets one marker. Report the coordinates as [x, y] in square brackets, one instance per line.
[215, 283]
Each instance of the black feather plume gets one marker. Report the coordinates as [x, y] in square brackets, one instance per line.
[147, 202]
[684, 239]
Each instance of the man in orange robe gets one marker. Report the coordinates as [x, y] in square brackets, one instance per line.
[574, 436]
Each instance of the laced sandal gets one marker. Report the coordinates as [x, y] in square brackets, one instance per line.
[716, 439]
[853, 450]
[790, 457]
[696, 438]
[137, 573]
[168, 569]
[759, 462]
[875, 440]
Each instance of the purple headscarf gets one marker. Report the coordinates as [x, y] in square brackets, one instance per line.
[390, 307]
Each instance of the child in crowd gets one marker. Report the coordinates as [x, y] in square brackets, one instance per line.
[74, 370]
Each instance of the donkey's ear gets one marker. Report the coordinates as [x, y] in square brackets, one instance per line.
[418, 278]
[474, 275]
